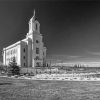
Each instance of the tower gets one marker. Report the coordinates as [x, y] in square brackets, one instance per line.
[35, 44]
[34, 25]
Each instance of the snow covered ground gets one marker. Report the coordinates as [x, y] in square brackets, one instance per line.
[64, 77]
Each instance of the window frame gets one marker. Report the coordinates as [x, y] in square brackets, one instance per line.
[37, 50]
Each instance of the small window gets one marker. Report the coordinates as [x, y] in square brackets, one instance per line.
[24, 50]
[37, 64]
[37, 41]
[24, 64]
[23, 57]
[37, 58]
[37, 50]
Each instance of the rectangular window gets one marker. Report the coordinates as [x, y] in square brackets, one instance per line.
[37, 58]
[23, 57]
[24, 64]
[37, 64]
[37, 41]
[37, 50]
[24, 49]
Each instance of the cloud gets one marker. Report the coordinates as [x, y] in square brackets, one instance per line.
[73, 57]
[65, 57]
[94, 53]
[77, 59]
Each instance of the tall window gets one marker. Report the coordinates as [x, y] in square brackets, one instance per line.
[23, 57]
[36, 27]
[37, 64]
[37, 58]
[37, 41]
[24, 49]
[24, 64]
[37, 50]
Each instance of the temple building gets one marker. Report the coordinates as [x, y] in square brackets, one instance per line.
[29, 52]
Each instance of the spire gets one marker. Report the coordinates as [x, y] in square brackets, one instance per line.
[34, 13]
[33, 17]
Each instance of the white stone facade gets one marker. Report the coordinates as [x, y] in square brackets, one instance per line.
[29, 52]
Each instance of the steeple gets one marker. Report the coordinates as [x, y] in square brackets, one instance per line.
[34, 24]
[33, 17]
[34, 13]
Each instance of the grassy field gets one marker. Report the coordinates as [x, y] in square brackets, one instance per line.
[18, 89]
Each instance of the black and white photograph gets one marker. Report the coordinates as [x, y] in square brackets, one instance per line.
[49, 50]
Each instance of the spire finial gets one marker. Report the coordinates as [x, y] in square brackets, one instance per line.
[34, 13]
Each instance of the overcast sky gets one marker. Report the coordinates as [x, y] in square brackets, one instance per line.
[71, 28]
